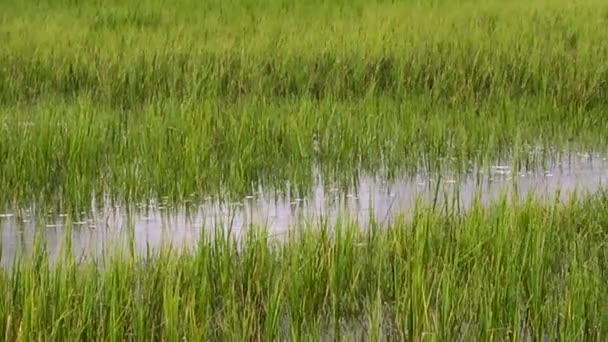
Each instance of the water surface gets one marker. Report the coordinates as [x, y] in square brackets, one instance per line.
[154, 223]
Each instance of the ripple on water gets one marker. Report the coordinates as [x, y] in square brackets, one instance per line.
[375, 198]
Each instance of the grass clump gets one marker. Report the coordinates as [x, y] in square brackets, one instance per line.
[513, 271]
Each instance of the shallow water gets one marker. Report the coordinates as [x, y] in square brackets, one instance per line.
[153, 224]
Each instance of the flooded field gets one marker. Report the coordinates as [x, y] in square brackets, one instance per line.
[156, 224]
[303, 170]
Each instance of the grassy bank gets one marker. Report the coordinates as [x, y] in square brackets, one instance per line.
[505, 273]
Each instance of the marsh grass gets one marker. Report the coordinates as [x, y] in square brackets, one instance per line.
[150, 99]
[68, 152]
[508, 272]
[147, 99]
[128, 54]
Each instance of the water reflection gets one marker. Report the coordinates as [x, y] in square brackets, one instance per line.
[154, 224]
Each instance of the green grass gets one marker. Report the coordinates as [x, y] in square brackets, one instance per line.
[143, 99]
[68, 151]
[146, 99]
[499, 273]
[134, 53]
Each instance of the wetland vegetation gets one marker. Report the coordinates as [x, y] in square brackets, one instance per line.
[130, 102]
[515, 271]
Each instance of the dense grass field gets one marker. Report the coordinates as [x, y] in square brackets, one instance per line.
[516, 271]
[137, 100]
[145, 99]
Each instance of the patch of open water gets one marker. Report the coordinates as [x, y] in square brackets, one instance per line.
[153, 224]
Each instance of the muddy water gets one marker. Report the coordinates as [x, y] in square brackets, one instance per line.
[153, 224]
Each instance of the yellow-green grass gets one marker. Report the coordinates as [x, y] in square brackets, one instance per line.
[71, 151]
[126, 54]
[508, 272]
[144, 99]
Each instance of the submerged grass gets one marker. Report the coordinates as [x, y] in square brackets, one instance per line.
[510, 272]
